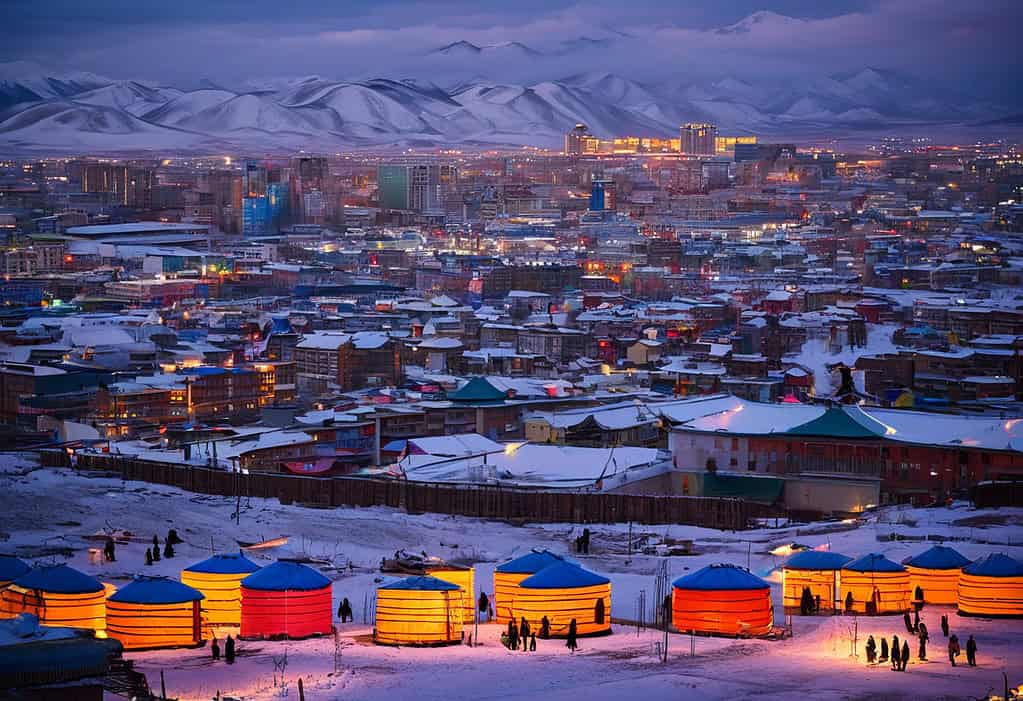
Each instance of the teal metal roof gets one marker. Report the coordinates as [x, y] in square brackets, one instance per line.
[833, 423]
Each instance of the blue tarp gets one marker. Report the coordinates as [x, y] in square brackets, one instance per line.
[60, 579]
[225, 563]
[816, 560]
[155, 590]
[422, 584]
[530, 563]
[285, 575]
[723, 577]
[874, 562]
[563, 575]
[995, 565]
[11, 568]
[939, 557]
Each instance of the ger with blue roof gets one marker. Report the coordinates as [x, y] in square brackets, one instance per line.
[722, 599]
[874, 585]
[155, 613]
[509, 575]
[934, 575]
[816, 572]
[562, 592]
[992, 587]
[420, 610]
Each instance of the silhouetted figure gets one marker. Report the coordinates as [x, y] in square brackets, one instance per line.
[513, 635]
[904, 657]
[229, 650]
[156, 541]
[545, 628]
[817, 603]
[344, 611]
[953, 649]
[944, 625]
[108, 550]
[149, 557]
[848, 603]
[156, 553]
[908, 622]
[871, 650]
[971, 651]
[484, 604]
[884, 650]
[916, 621]
[572, 643]
[598, 612]
[918, 595]
[896, 653]
[532, 642]
[924, 638]
[168, 550]
[215, 649]
[172, 537]
[586, 541]
[805, 602]
[524, 633]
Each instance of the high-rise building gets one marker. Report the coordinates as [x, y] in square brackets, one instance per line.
[698, 139]
[277, 204]
[128, 185]
[422, 187]
[254, 180]
[574, 140]
[255, 216]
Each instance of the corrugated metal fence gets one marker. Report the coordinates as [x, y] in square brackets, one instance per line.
[480, 501]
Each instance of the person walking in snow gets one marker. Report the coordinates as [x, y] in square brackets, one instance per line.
[871, 650]
[971, 651]
[916, 621]
[884, 650]
[896, 653]
[346, 611]
[532, 642]
[586, 541]
[922, 652]
[524, 634]
[513, 635]
[918, 596]
[907, 622]
[545, 628]
[484, 604]
[215, 649]
[156, 553]
[944, 625]
[108, 550]
[572, 643]
[149, 557]
[848, 603]
[168, 550]
[229, 650]
[953, 649]
[904, 657]
[805, 602]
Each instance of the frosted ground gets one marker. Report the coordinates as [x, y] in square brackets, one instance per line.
[49, 512]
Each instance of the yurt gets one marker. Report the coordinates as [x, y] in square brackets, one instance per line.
[936, 572]
[722, 600]
[465, 579]
[10, 569]
[875, 578]
[57, 596]
[286, 600]
[816, 570]
[155, 612]
[508, 576]
[561, 592]
[419, 611]
[992, 587]
[219, 579]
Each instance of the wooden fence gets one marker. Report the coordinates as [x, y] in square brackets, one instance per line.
[479, 501]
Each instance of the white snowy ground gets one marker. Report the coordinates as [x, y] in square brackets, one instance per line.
[47, 509]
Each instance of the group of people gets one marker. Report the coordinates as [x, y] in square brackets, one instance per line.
[899, 651]
[522, 632]
[582, 543]
[808, 603]
[153, 554]
[228, 650]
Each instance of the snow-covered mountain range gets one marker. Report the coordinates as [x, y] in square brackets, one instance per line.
[42, 110]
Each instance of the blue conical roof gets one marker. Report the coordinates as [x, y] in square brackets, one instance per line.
[59, 579]
[286, 575]
[874, 562]
[421, 584]
[723, 577]
[530, 563]
[939, 557]
[225, 563]
[563, 575]
[155, 590]
[816, 560]
[995, 565]
[11, 568]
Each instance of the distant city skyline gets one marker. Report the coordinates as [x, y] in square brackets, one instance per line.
[968, 48]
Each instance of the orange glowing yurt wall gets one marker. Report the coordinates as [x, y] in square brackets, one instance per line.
[722, 600]
[465, 579]
[10, 569]
[155, 612]
[816, 570]
[565, 591]
[219, 579]
[286, 600]
[936, 573]
[992, 587]
[508, 576]
[875, 577]
[57, 596]
[419, 611]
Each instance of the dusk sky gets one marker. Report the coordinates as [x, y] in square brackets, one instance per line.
[966, 44]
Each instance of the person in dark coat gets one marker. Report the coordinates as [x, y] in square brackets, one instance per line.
[229, 650]
[871, 650]
[545, 628]
[908, 622]
[215, 649]
[924, 637]
[346, 611]
[971, 651]
[108, 550]
[532, 642]
[156, 553]
[513, 635]
[884, 650]
[916, 621]
[918, 596]
[572, 643]
[904, 657]
[944, 625]
[168, 550]
[172, 537]
[484, 604]
[817, 604]
[149, 557]
[896, 652]
[156, 542]
[524, 634]
[804, 602]
[848, 603]
[953, 649]
[586, 541]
